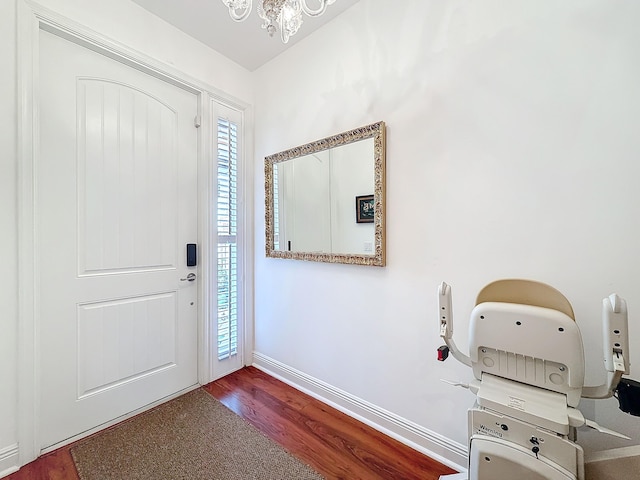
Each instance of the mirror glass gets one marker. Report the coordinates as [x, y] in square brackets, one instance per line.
[325, 200]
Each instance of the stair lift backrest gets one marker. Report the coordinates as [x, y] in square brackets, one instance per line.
[525, 292]
[530, 344]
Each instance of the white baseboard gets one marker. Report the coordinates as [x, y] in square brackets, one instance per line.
[9, 461]
[432, 444]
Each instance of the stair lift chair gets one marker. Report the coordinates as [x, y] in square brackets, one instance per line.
[527, 358]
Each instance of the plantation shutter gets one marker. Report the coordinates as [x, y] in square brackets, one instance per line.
[227, 242]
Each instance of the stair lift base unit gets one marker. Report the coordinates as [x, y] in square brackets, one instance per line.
[493, 459]
[539, 445]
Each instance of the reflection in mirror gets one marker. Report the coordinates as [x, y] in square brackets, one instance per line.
[325, 200]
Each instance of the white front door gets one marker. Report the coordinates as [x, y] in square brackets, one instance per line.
[116, 204]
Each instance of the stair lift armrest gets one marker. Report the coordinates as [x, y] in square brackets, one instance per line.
[445, 314]
[615, 346]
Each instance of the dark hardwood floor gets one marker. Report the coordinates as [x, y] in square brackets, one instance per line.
[334, 444]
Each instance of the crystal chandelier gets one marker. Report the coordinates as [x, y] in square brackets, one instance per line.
[285, 15]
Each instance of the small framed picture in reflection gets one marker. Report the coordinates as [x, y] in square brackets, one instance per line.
[364, 209]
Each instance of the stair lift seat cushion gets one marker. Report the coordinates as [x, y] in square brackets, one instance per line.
[536, 406]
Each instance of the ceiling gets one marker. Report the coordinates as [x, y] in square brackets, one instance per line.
[246, 43]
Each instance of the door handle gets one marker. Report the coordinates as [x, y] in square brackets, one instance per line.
[190, 278]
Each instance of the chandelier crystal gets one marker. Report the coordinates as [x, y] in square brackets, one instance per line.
[283, 15]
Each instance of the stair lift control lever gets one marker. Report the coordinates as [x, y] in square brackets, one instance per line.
[446, 326]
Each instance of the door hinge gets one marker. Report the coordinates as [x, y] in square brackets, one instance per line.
[197, 121]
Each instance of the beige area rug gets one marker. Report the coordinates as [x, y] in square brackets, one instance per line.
[192, 437]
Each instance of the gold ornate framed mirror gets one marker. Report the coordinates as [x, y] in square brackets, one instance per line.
[325, 200]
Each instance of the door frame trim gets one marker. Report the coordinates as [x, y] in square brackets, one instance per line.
[32, 18]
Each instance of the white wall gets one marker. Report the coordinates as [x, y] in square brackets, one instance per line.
[130, 25]
[512, 152]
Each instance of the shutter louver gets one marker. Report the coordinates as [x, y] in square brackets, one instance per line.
[227, 254]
